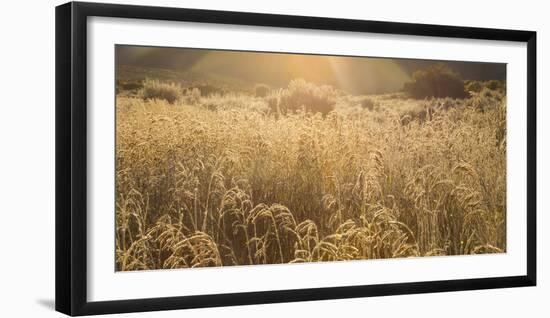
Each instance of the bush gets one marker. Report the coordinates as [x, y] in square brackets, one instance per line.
[261, 90]
[488, 93]
[192, 96]
[130, 85]
[154, 89]
[474, 86]
[436, 81]
[486, 87]
[496, 85]
[208, 90]
[303, 95]
[368, 103]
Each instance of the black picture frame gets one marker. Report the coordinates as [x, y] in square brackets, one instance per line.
[71, 157]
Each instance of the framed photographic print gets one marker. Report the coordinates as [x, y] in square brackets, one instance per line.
[208, 158]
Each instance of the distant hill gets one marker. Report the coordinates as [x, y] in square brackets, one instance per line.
[237, 69]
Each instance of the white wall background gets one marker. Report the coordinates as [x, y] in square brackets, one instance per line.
[27, 158]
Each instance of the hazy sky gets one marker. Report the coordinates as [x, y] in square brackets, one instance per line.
[354, 74]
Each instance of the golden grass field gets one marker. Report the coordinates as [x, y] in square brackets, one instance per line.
[241, 178]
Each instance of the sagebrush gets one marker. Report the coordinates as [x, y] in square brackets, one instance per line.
[437, 80]
[154, 89]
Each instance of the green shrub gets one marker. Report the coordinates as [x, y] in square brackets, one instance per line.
[154, 89]
[488, 93]
[261, 90]
[208, 90]
[473, 86]
[128, 85]
[303, 95]
[368, 103]
[131, 85]
[485, 87]
[192, 96]
[436, 81]
[496, 85]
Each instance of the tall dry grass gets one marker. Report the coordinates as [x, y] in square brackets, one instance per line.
[222, 180]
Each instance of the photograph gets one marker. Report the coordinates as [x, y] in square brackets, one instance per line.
[222, 159]
[230, 158]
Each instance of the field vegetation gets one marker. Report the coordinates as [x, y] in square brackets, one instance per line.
[307, 173]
